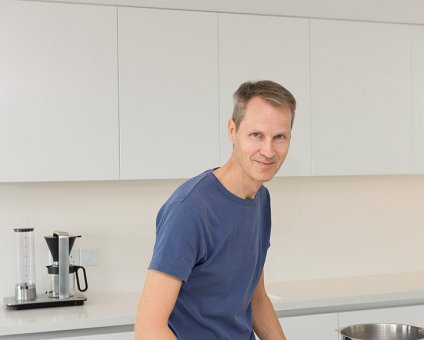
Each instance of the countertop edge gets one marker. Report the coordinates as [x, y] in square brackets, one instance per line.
[287, 309]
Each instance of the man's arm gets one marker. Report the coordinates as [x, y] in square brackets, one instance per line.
[156, 303]
[265, 321]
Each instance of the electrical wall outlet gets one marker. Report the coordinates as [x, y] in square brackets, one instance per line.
[74, 256]
[88, 256]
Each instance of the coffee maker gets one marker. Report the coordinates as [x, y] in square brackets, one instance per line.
[63, 275]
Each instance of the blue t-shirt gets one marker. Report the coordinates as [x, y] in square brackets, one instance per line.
[216, 243]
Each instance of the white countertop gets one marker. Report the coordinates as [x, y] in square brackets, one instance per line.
[343, 294]
[289, 299]
[108, 310]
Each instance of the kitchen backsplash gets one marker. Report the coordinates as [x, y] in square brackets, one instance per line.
[322, 226]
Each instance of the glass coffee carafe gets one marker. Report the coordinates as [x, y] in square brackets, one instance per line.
[64, 276]
[74, 280]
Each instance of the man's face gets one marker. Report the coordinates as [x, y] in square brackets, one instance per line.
[262, 140]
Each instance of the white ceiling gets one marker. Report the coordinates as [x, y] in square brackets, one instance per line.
[397, 11]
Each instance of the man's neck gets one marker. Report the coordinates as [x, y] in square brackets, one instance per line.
[234, 179]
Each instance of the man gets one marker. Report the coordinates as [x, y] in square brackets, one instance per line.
[205, 280]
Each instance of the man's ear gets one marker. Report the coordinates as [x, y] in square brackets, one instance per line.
[231, 130]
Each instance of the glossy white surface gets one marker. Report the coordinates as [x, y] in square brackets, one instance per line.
[168, 93]
[59, 97]
[289, 299]
[248, 51]
[361, 98]
[373, 10]
[410, 315]
[317, 327]
[417, 50]
[350, 293]
[98, 311]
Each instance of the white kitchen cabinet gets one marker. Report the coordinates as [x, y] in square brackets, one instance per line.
[417, 48]
[409, 315]
[111, 336]
[263, 47]
[100, 333]
[59, 98]
[168, 88]
[317, 327]
[361, 98]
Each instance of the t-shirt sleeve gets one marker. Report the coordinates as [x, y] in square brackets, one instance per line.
[179, 241]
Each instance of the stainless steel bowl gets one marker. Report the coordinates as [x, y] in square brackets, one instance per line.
[381, 331]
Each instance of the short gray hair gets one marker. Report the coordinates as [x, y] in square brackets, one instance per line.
[270, 91]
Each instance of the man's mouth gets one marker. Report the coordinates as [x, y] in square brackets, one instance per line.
[265, 164]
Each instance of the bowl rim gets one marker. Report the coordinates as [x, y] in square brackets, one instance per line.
[419, 329]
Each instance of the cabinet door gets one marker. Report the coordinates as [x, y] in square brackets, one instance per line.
[111, 336]
[168, 90]
[317, 327]
[360, 95]
[263, 47]
[58, 85]
[410, 315]
[417, 43]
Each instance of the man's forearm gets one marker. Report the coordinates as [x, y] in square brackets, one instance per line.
[265, 321]
[150, 333]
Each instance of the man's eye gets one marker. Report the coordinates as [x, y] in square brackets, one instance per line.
[280, 137]
[255, 134]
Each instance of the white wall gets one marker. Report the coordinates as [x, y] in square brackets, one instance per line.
[322, 226]
[346, 226]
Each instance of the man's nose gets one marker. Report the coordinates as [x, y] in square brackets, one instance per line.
[267, 149]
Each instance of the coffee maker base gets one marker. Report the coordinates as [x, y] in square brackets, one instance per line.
[44, 301]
